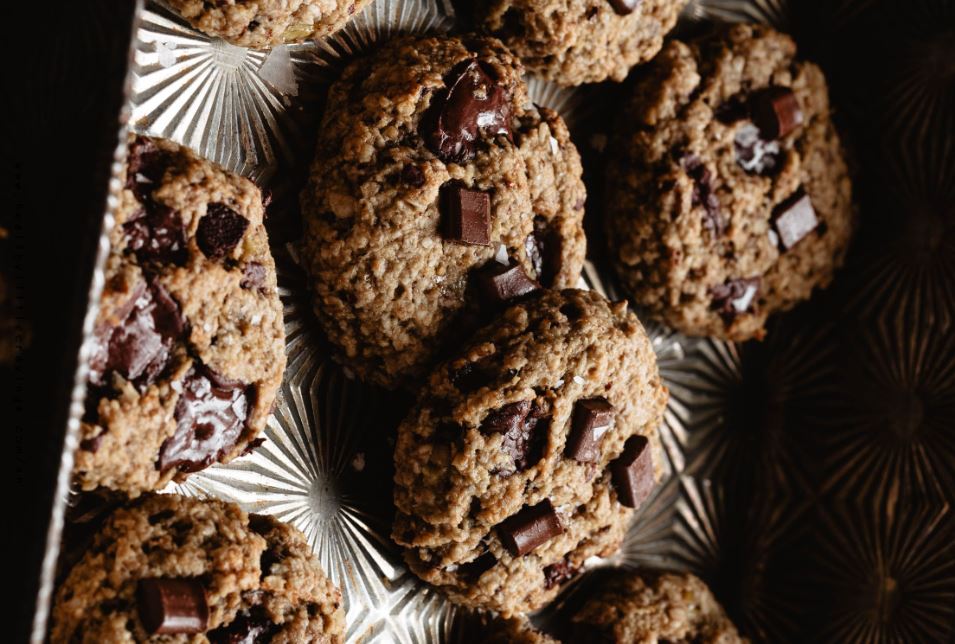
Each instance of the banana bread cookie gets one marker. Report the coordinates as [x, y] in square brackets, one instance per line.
[666, 608]
[263, 23]
[580, 41]
[175, 569]
[189, 342]
[728, 195]
[431, 162]
[526, 454]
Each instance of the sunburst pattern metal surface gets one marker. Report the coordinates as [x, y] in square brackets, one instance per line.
[809, 477]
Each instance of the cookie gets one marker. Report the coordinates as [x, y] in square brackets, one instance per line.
[489, 629]
[263, 23]
[666, 608]
[580, 41]
[175, 569]
[526, 453]
[430, 163]
[188, 348]
[728, 195]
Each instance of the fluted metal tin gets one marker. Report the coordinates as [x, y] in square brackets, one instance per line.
[809, 477]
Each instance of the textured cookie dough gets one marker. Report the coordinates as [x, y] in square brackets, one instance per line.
[489, 629]
[263, 23]
[419, 119]
[696, 237]
[631, 609]
[189, 341]
[580, 41]
[491, 437]
[259, 577]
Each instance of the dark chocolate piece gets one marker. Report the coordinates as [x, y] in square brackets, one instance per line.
[624, 7]
[794, 218]
[145, 166]
[471, 377]
[499, 284]
[632, 472]
[529, 528]
[474, 105]
[703, 194]
[172, 606]
[156, 235]
[524, 427]
[252, 627]
[139, 346]
[472, 570]
[412, 175]
[466, 214]
[593, 417]
[558, 574]
[753, 154]
[210, 416]
[775, 111]
[734, 297]
[220, 230]
[543, 248]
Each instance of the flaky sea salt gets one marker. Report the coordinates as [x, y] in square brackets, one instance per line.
[500, 255]
[579, 380]
[554, 146]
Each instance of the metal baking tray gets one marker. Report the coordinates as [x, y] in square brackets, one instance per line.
[810, 477]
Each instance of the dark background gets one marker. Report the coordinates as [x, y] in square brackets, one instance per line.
[872, 447]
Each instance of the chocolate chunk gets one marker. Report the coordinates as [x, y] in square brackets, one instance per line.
[220, 230]
[92, 444]
[508, 418]
[632, 472]
[794, 218]
[524, 427]
[703, 194]
[253, 276]
[156, 234]
[776, 112]
[499, 284]
[145, 166]
[472, 570]
[172, 606]
[210, 416]
[248, 627]
[753, 154]
[593, 417]
[466, 214]
[412, 175]
[558, 573]
[734, 297]
[474, 105]
[529, 528]
[624, 7]
[471, 377]
[732, 110]
[139, 346]
[543, 248]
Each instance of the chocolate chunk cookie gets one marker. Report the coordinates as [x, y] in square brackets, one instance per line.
[189, 342]
[527, 452]
[489, 629]
[669, 607]
[580, 41]
[263, 23]
[176, 569]
[728, 195]
[437, 194]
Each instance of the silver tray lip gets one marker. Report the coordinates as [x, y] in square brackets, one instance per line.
[54, 532]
